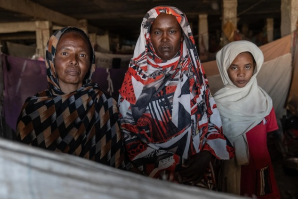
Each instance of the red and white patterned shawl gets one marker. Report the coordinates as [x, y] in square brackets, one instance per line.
[177, 115]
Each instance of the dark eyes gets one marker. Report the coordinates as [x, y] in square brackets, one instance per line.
[235, 68]
[81, 55]
[157, 32]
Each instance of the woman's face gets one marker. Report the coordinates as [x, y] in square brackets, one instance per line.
[72, 60]
[166, 36]
[241, 69]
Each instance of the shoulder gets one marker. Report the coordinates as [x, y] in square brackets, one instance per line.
[105, 95]
[106, 99]
[271, 121]
[38, 97]
[271, 115]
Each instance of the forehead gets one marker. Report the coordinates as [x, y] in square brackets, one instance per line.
[73, 38]
[165, 20]
[244, 55]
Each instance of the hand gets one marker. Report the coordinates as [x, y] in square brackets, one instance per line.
[135, 170]
[168, 176]
[194, 168]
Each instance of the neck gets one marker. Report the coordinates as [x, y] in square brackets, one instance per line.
[68, 88]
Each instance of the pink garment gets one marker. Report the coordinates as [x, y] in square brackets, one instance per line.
[22, 78]
[257, 178]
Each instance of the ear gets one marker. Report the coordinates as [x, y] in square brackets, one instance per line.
[181, 39]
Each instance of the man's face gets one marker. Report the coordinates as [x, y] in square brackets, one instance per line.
[72, 59]
[166, 36]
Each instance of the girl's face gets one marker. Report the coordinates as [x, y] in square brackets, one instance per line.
[241, 69]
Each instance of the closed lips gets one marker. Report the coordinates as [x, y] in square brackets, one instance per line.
[165, 47]
[241, 81]
[73, 72]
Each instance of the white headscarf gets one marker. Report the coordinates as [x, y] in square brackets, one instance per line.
[241, 109]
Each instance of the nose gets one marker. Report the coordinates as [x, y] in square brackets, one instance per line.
[241, 73]
[164, 36]
[73, 60]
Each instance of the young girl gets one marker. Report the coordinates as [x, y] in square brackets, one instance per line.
[247, 115]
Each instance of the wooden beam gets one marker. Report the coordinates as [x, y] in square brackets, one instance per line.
[40, 12]
[56, 27]
[17, 27]
[111, 15]
[115, 5]
[124, 14]
[93, 29]
[10, 37]
[35, 10]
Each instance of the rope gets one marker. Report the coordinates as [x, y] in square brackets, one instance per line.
[110, 83]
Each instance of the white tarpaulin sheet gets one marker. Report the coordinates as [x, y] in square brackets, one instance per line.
[31, 173]
[292, 103]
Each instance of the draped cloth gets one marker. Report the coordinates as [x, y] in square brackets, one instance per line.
[83, 123]
[240, 108]
[167, 112]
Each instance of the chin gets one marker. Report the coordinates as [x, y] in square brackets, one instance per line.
[73, 81]
[167, 58]
[241, 86]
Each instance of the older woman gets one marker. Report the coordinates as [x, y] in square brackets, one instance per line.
[73, 115]
[171, 125]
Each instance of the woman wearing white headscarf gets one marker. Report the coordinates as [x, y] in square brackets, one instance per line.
[247, 115]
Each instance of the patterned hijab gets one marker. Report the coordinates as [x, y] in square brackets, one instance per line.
[240, 108]
[167, 113]
[82, 123]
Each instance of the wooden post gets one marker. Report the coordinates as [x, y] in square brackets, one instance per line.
[43, 33]
[289, 16]
[83, 24]
[229, 14]
[203, 34]
[270, 29]
[104, 41]
[92, 37]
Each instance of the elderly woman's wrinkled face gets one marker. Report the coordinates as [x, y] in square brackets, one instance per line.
[166, 36]
[72, 60]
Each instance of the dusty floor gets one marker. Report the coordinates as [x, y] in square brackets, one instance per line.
[287, 183]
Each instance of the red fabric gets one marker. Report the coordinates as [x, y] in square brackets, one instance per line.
[259, 158]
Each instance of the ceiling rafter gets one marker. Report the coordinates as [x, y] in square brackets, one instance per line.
[39, 12]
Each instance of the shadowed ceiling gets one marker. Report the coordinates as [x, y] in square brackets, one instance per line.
[124, 17]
